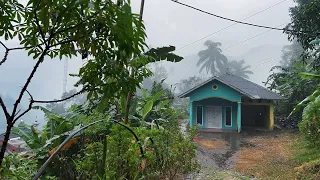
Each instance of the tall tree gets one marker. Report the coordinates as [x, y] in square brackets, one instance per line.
[305, 27]
[105, 32]
[218, 64]
[238, 68]
[290, 52]
[189, 83]
[212, 58]
[286, 80]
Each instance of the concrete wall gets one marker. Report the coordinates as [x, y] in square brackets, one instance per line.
[223, 92]
[215, 102]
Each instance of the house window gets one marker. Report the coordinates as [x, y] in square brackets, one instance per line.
[228, 116]
[199, 115]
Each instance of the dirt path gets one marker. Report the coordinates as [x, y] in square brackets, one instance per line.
[221, 154]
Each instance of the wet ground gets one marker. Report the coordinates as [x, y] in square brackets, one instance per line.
[217, 152]
[221, 158]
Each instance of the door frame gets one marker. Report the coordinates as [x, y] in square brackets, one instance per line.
[220, 127]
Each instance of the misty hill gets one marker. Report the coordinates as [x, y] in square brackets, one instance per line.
[261, 58]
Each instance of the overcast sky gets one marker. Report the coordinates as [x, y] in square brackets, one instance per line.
[168, 23]
[171, 23]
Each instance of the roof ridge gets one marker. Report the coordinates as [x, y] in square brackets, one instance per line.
[257, 85]
[211, 79]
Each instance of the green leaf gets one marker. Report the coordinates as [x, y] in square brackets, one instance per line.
[163, 103]
[146, 109]
[310, 76]
[311, 98]
[157, 96]
[46, 111]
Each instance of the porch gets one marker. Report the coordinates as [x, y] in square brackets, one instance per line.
[215, 115]
[221, 115]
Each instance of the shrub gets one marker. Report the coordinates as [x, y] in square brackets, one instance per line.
[310, 124]
[15, 166]
[20, 166]
[119, 157]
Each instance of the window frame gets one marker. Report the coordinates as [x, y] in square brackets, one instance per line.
[225, 116]
[201, 115]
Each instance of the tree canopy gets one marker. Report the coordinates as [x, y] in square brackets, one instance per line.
[213, 61]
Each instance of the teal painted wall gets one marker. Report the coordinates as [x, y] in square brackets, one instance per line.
[215, 102]
[206, 96]
[223, 91]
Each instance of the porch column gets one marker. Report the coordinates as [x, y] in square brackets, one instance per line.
[239, 117]
[271, 116]
[190, 113]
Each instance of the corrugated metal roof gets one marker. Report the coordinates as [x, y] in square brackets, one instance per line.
[244, 86]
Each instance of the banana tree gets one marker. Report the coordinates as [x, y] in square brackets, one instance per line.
[54, 132]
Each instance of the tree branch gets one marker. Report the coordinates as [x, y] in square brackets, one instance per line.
[3, 45]
[65, 42]
[4, 57]
[60, 100]
[5, 54]
[24, 88]
[81, 22]
[4, 108]
[29, 108]
[37, 22]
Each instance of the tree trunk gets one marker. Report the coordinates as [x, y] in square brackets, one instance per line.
[5, 143]
[129, 99]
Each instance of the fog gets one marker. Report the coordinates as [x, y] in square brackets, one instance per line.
[168, 23]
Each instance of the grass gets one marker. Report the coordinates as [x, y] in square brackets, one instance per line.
[304, 152]
[287, 156]
[309, 159]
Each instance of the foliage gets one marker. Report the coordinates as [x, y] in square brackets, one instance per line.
[218, 64]
[308, 158]
[238, 68]
[304, 19]
[16, 167]
[212, 58]
[62, 107]
[168, 156]
[304, 27]
[286, 80]
[291, 52]
[107, 33]
[189, 83]
[310, 124]
[157, 106]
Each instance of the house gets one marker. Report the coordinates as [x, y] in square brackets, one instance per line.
[229, 102]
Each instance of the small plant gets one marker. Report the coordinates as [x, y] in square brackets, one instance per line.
[18, 166]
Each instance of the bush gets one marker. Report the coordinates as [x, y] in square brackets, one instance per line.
[15, 167]
[120, 157]
[20, 166]
[310, 124]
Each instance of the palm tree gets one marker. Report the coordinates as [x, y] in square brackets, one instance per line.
[212, 58]
[239, 68]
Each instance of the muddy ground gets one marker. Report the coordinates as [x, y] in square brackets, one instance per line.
[218, 153]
